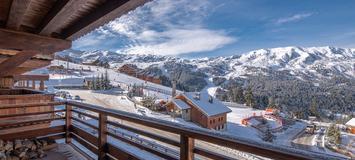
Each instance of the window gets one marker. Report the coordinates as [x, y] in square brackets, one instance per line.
[222, 126]
[214, 121]
[217, 128]
[203, 116]
[221, 118]
[187, 111]
[210, 121]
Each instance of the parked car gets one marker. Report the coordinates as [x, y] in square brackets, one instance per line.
[77, 97]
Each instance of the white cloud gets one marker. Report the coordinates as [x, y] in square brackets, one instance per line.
[293, 18]
[166, 27]
[181, 41]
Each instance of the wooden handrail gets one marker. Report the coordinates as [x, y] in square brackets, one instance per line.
[26, 105]
[26, 114]
[187, 149]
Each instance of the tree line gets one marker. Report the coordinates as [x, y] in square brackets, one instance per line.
[98, 83]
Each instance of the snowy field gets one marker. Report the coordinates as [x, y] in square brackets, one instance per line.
[121, 103]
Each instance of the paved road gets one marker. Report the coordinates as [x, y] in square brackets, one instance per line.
[304, 141]
[109, 100]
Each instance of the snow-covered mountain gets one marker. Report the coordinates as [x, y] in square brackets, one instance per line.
[306, 63]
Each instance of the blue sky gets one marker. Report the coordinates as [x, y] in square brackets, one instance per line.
[208, 28]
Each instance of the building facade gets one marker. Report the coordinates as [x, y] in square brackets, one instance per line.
[200, 108]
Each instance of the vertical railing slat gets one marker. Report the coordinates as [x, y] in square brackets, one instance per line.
[68, 123]
[187, 145]
[102, 137]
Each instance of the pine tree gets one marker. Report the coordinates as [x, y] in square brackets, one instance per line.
[92, 84]
[230, 94]
[249, 97]
[102, 81]
[265, 101]
[106, 81]
[337, 137]
[312, 107]
[239, 96]
[272, 103]
[97, 83]
[224, 97]
[268, 136]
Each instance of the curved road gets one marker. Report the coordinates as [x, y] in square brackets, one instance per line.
[304, 141]
[109, 100]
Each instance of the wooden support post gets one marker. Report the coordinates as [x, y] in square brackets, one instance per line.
[41, 88]
[102, 147]
[187, 145]
[68, 123]
[33, 84]
[28, 83]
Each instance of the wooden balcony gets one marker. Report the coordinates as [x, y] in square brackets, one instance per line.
[105, 149]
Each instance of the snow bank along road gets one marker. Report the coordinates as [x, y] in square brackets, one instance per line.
[109, 100]
[305, 141]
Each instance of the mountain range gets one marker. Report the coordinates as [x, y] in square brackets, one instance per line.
[306, 63]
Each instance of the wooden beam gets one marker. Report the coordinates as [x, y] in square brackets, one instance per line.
[60, 11]
[68, 123]
[49, 56]
[26, 41]
[32, 63]
[17, 13]
[102, 146]
[35, 77]
[32, 133]
[103, 14]
[187, 145]
[15, 61]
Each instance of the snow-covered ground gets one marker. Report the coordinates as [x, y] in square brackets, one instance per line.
[121, 103]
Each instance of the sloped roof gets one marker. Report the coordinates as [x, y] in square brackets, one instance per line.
[351, 122]
[151, 75]
[210, 109]
[156, 77]
[89, 79]
[181, 104]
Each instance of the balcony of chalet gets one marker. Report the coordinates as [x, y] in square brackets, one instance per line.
[104, 129]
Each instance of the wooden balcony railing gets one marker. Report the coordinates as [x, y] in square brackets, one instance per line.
[104, 149]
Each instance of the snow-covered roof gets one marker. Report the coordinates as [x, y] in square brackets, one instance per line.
[150, 75]
[88, 79]
[351, 122]
[211, 109]
[181, 104]
[156, 77]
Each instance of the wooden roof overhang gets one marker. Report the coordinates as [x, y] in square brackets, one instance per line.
[31, 31]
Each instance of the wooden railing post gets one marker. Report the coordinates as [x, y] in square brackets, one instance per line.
[102, 137]
[187, 145]
[68, 123]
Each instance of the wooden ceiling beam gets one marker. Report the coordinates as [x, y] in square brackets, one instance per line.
[31, 63]
[37, 77]
[15, 61]
[60, 11]
[17, 13]
[103, 14]
[49, 56]
[15, 40]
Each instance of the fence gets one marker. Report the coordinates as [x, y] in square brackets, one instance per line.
[106, 150]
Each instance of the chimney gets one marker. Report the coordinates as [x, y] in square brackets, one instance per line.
[197, 96]
[210, 99]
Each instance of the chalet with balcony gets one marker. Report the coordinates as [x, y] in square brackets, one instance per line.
[106, 65]
[157, 80]
[91, 62]
[201, 108]
[351, 124]
[128, 69]
[87, 81]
